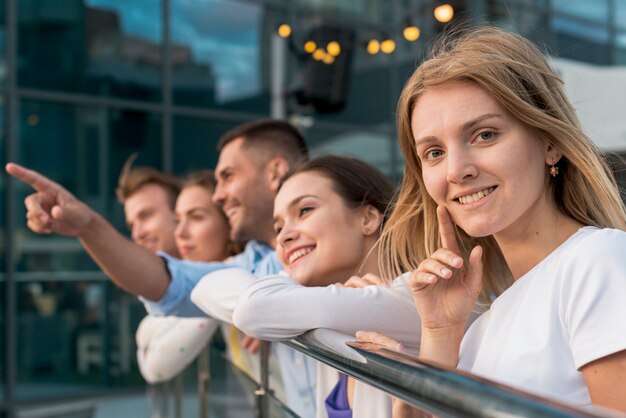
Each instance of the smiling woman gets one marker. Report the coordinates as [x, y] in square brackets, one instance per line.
[167, 345]
[510, 201]
[328, 216]
[202, 233]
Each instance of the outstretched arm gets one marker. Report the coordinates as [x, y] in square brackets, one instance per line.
[53, 209]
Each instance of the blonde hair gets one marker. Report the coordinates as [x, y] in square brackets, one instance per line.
[517, 75]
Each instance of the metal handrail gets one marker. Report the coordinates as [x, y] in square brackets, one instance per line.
[434, 388]
[431, 388]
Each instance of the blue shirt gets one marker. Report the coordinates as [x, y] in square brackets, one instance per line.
[298, 371]
[258, 258]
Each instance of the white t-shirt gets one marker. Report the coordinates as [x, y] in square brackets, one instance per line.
[569, 310]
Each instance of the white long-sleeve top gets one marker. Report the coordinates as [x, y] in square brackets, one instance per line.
[278, 308]
[166, 345]
[217, 293]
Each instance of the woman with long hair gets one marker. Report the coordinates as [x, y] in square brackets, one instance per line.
[328, 215]
[167, 345]
[507, 203]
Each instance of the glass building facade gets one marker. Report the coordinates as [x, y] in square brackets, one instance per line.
[85, 83]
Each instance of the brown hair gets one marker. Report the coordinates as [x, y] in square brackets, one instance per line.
[206, 180]
[357, 182]
[132, 179]
[517, 75]
[203, 178]
[273, 137]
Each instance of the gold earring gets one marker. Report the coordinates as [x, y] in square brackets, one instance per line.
[554, 170]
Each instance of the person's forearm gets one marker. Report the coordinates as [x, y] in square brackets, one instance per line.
[130, 266]
[441, 345]
[276, 308]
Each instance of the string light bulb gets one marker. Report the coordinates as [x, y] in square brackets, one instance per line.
[373, 47]
[328, 59]
[388, 46]
[444, 13]
[284, 30]
[319, 54]
[310, 47]
[411, 33]
[333, 48]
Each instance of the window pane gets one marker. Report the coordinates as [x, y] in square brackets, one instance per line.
[620, 49]
[59, 287]
[3, 43]
[75, 337]
[219, 54]
[581, 41]
[103, 47]
[620, 13]
[372, 147]
[371, 11]
[597, 10]
[3, 205]
[195, 143]
[85, 149]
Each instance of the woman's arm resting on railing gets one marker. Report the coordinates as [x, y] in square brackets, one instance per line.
[277, 308]
[217, 293]
[166, 345]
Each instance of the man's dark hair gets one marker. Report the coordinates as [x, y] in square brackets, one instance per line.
[132, 179]
[272, 136]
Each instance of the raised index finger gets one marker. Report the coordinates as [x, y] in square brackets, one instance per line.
[34, 179]
[447, 231]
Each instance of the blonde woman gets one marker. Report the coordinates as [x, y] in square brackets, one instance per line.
[167, 345]
[516, 208]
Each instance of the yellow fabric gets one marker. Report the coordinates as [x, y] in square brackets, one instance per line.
[237, 354]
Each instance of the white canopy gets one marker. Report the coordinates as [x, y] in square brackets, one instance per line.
[598, 94]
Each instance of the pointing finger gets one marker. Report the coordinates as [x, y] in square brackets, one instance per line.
[447, 231]
[34, 179]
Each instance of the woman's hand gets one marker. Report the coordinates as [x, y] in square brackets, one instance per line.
[445, 291]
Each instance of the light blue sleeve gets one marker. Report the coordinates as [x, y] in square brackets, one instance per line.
[186, 274]
[268, 266]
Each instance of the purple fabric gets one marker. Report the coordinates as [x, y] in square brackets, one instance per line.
[337, 401]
